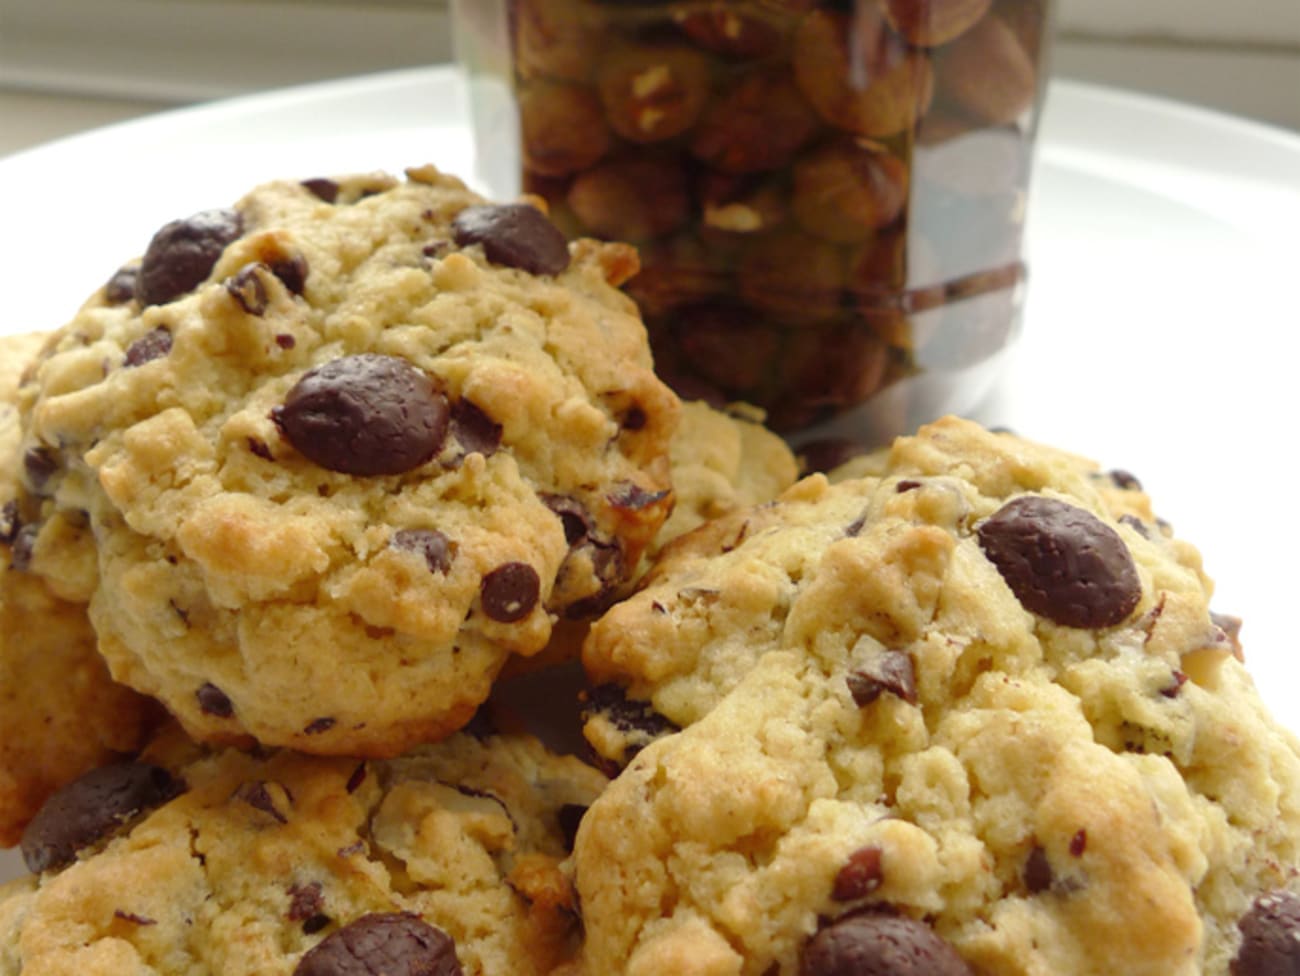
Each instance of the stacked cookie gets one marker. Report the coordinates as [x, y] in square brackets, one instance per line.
[309, 514]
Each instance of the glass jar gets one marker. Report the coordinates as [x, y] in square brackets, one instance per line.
[828, 197]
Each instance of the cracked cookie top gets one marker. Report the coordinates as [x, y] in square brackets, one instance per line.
[443, 861]
[981, 691]
[344, 448]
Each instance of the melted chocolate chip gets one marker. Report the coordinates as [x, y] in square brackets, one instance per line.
[91, 808]
[120, 288]
[305, 900]
[323, 189]
[1038, 871]
[383, 944]
[213, 701]
[860, 876]
[256, 794]
[292, 273]
[1079, 843]
[183, 253]
[474, 430]
[877, 944]
[627, 714]
[357, 778]
[318, 725]
[151, 345]
[510, 592]
[437, 550]
[246, 287]
[365, 415]
[893, 672]
[1062, 562]
[515, 235]
[39, 465]
[1270, 937]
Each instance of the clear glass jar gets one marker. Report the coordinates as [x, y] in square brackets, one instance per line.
[828, 197]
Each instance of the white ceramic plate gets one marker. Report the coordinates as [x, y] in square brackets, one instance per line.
[1160, 325]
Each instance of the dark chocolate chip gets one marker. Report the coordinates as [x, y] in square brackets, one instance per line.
[357, 778]
[120, 288]
[634, 418]
[626, 714]
[133, 918]
[879, 944]
[292, 273]
[305, 900]
[261, 449]
[183, 253]
[318, 725]
[1079, 843]
[1270, 937]
[607, 565]
[437, 550]
[91, 808]
[151, 345]
[10, 522]
[312, 925]
[1231, 628]
[1136, 524]
[39, 465]
[1038, 871]
[573, 517]
[474, 430]
[383, 944]
[515, 235]
[1062, 562]
[633, 498]
[860, 876]
[323, 189]
[906, 485]
[510, 592]
[285, 341]
[214, 701]
[570, 817]
[365, 415]
[256, 794]
[246, 287]
[24, 546]
[1176, 682]
[893, 672]
[1125, 480]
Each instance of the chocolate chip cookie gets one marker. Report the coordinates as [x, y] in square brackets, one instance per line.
[972, 714]
[60, 713]
[444, 861]
[346, 447]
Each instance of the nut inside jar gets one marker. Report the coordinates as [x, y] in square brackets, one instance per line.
[828, 197]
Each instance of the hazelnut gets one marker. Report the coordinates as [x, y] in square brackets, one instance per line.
[859, 75]
[631, 198]
[758, 124]
[722, 29]
[989, 73]
[845, 191]
[727, 346]
[738, 205]
[554, 39]
[1027, 20]
[653, 92]
[927, 23]
[563, 128]
[792, 276]
[831, 368]
[678, 272]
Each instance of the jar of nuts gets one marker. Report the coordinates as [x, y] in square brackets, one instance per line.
[828, 196]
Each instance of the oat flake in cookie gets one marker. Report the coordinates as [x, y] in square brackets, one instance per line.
[320, 436]
[443, 862]
[968, 713]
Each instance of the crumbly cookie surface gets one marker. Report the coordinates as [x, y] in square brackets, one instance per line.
[60, 713]
[1044, 754]
[230, 864]
[345, 448]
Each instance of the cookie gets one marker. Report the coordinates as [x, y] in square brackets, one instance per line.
[60, 713]
[441, 861]
[974, 712]
[348, 446]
